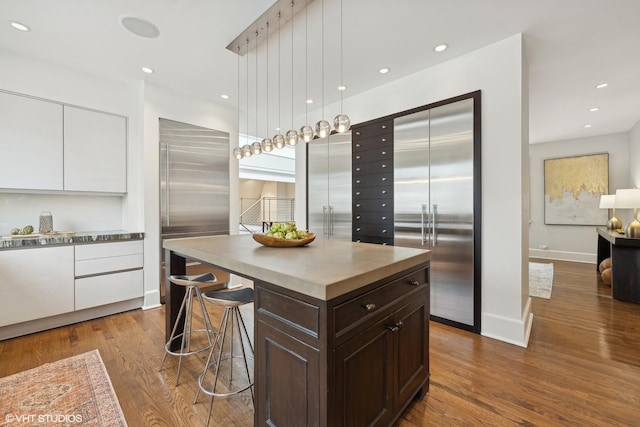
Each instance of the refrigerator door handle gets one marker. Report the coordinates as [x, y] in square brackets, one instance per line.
[330, 220]
[167, 192]
[422, 215]
[435, 224]
[324, 220]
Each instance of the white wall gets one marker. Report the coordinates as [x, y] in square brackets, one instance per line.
[497, 70]
[573, 242]
[163, 103]
[634, 155]
[31, 77]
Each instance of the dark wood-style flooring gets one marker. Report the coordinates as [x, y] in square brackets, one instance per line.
[582, 366]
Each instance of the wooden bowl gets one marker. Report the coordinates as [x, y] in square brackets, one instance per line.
[276, 242]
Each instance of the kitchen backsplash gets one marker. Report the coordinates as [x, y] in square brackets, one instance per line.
[70, 212]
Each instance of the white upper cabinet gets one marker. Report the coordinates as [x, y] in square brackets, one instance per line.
[30, 143]
[95, 151]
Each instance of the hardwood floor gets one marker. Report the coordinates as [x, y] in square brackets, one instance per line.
[582, 366]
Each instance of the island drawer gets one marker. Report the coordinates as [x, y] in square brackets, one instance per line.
[356, 311]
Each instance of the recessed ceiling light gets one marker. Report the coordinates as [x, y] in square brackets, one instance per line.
[384, 70]
[139, 26]
[224, 96]
[587, 126]
[148, 70]
[594, 109]
[601, 85]
[19, 26]
[441, 47]
[342, 87]
[309, 101]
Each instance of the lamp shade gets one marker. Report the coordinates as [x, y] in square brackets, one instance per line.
[607, 201]
[628, 198]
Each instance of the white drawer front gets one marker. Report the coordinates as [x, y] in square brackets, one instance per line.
[106, 265]
[105, 250]
[108, 288]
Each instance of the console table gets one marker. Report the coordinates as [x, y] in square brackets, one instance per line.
[625, 263]
[341, 328]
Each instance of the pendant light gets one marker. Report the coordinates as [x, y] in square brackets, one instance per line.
[306, 131]
[292, 134]
[248, 151]
[256, 147]
[341, 122]
[323, 128]
[267, 144]
[238, 152]
[278, 139]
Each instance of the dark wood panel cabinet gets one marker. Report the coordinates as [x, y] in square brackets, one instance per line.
[356, 360]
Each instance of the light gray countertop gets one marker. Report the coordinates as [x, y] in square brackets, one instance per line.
[44, 240]
[324, 269]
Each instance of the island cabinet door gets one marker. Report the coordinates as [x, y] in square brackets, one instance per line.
[363, 378]
[412, 344]
[288, 380]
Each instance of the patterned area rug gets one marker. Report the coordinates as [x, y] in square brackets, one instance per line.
[69, 392]
[540, 280]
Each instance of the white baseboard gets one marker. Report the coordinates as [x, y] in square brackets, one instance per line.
[151, 299]
[563, 255]
[512, 331]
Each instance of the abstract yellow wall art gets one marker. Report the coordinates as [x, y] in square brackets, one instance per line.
[572, 189]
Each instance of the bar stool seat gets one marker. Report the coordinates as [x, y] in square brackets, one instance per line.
[214, 373]
[186, 336]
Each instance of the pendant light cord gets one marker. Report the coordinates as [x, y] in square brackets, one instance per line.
[341, 60]
[279, 93]
[256, 135]
[238, 95]
[322, 33]
[292, 17]
[247, 78]
[267, 133]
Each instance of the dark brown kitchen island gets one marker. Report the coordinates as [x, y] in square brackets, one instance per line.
[341, 329]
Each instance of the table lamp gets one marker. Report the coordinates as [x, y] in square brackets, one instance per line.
[630, 199]
[608, 201]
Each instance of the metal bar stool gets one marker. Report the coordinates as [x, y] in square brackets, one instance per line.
[192, 285]
[231, 300]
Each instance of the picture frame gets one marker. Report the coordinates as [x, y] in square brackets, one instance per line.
[572, 189]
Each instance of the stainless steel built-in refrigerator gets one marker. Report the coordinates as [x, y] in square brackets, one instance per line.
[329, 186]
[434, 201]
[194, 181]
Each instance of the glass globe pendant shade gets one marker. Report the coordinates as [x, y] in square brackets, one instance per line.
[292, 137]
[323, 128]
[256, 147]
[306, 133]
[341, 123]
[238, 153]
[248, 151]
[267, 145]
[278, 140]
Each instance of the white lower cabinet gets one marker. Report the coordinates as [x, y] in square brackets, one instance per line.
[107, 273]
[35, 283]
[108, 288]
[47, 287]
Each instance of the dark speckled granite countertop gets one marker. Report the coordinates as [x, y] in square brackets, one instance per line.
[40, 240]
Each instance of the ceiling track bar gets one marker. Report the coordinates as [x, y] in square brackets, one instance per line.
[283, 7]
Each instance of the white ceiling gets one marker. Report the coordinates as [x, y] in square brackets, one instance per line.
[570, 46]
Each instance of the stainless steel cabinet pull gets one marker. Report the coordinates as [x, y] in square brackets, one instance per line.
[384, 126]
[384, 231]
[357, 157]
[384, 191]
[357, 181]
[357, 193]
[384, 166]
[383, 218]
[369, 307]
[357, 216]
[358, 229]
[384, 205]
[415, 283]
[357, 205]
[358, 169]
[384, 179]
[395, 327]
[357, 145]
[384, 153]
[384, 139]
